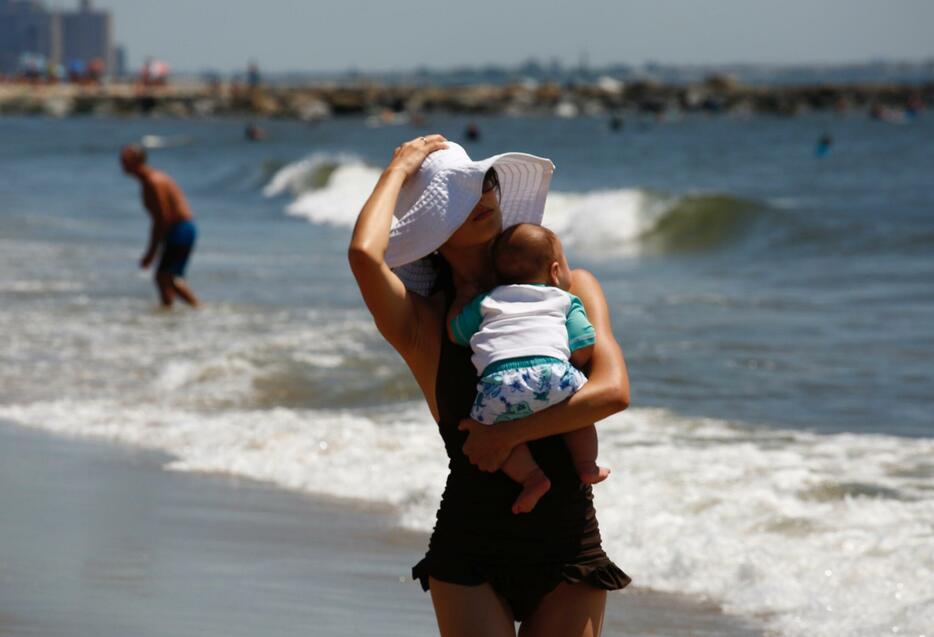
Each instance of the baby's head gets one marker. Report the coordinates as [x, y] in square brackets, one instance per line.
[526, 253]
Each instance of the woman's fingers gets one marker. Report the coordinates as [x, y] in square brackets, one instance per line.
[431, 147]
[410, 155]
[430, 139]
[423, 142]
[427, 143]
[483, 447]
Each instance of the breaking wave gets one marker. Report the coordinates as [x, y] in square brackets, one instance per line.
[332, 189]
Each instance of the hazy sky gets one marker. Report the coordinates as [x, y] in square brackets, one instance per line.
[403, 34]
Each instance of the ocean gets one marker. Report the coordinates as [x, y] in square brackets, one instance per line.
[775, 306]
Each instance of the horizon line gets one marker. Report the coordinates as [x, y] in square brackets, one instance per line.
[566, 67]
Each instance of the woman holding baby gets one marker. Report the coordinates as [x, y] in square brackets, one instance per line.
[497, 335]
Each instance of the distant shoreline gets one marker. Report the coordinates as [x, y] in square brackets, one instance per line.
[316, 101]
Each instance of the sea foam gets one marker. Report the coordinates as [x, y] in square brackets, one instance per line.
[813, 534]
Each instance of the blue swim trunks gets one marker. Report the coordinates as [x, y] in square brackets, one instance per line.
[179, 243]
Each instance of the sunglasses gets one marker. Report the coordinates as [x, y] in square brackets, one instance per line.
[490, 181]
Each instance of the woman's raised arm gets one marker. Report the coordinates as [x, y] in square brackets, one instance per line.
[394, 308]
[605, 393]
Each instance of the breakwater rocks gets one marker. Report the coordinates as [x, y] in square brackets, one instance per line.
[314, 102]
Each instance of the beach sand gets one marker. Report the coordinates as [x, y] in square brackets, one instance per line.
[98, 540]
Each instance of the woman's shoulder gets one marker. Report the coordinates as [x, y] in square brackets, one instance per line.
[580, 276]
[585, 285]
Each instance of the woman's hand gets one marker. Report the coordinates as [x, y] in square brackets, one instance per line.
[486, 446]
[409, 156]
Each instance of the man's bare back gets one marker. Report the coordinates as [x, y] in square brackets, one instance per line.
[164, 199]
[172, 226]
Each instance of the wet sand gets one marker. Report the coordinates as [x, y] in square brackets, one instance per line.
[97, 540]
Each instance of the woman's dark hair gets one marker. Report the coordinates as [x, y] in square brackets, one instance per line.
[444, 282]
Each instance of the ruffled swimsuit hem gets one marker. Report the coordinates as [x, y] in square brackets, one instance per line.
[525, 586]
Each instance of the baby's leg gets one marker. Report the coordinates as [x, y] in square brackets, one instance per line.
[522, 468]
[583, 446]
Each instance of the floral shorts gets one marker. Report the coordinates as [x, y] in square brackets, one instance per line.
[512, 393]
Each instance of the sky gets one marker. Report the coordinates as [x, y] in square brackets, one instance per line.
[372, 35]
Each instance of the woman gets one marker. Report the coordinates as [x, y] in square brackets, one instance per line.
[485, 567]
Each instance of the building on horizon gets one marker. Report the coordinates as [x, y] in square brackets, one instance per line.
[29, 29]
[119, 68]
[87, 34]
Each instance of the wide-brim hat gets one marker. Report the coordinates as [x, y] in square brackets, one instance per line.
[437, 200]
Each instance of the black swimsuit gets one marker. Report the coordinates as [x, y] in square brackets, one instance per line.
[477, 539]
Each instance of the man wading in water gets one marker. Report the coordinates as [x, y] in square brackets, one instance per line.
[172, 226]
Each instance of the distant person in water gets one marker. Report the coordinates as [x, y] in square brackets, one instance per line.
[172, 226]
[254, 133]
[472, 132]
[823, 145]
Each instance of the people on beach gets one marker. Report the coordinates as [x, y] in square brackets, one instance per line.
[487, 568]
[173, 228]
[529, 337]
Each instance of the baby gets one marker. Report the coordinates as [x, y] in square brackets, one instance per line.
[529, 336]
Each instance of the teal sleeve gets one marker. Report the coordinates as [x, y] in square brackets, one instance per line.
[467, 322]
[580, 331]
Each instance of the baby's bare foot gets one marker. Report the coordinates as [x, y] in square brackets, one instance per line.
[534, 487]
[590, 473]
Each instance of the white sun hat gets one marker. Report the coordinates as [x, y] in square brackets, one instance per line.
[437, 200]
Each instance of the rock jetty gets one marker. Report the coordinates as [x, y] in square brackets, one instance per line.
[717, 94]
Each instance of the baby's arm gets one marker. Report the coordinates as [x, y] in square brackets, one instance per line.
[464, 321]
[581, 335]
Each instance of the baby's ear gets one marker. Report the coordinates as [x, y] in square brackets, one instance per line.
[554, 274]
